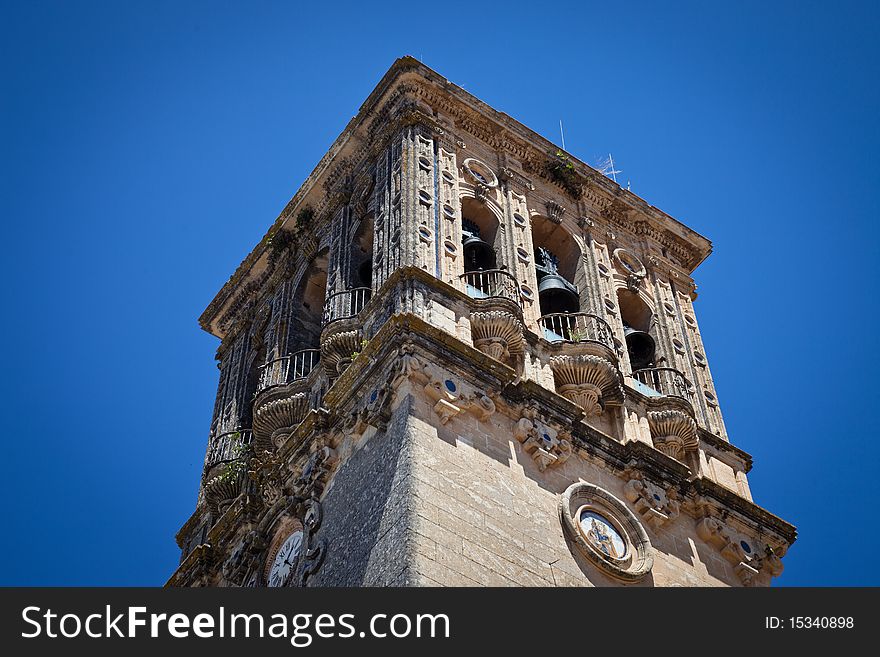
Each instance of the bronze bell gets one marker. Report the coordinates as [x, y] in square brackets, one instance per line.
[640, 346]
[478, 255]
[557, 295]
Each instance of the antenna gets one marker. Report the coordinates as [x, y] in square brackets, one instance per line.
[562, 134]
[606, 168]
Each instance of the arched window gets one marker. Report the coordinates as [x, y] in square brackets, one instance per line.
[308, 305]
[361, 261]
[479, 229]
[556, 258]
[636, 316]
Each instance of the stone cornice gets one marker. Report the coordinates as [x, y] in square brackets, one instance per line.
[408, 78]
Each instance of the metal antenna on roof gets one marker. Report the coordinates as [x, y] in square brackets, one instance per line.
[606, 168]
[562, 134]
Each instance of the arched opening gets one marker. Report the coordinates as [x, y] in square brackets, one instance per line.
[636, 316]
[479, 231]
[361, 262]
[556, 258]
[308, 305]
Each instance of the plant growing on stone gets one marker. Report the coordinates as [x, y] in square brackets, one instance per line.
[355, 354]
[562, 171]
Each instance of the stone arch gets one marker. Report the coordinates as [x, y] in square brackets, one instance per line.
[308, 303]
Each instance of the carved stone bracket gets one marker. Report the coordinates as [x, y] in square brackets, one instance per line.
[554, 211]
[748, 557]
[674, 432]
[590, 381]
[547, 446]
[497, 333]
[449, 395]
[277, 412]
[655, 505]
[270, 476]
[338, 349]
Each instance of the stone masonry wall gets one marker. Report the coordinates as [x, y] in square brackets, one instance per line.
[368, 511]
[485, 515]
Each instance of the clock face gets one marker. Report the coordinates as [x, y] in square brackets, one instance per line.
[285, 559]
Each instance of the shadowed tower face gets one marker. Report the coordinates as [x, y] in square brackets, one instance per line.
[462, 357]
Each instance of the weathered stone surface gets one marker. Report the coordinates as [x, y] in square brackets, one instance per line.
[454, 403]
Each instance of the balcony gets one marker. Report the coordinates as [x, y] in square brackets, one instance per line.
[345, 305]
[342, 332]
[491, 284]
[283, 396]
[663, 382]
[496, 323]
[585, 364]
[226, 466]
[577, 327]
[288, 369]
[670, 411]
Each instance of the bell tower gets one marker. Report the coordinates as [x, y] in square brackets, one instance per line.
[460, 356]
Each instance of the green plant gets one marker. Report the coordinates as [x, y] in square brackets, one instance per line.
[562, 171]
[305, 217]
[237, 466]
[279, 241]
[577, 335]
[355, 354]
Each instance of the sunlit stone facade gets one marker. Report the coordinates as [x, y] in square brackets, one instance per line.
[460, 356]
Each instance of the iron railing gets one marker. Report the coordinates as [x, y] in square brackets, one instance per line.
[346, 304]
[227, 447]
[577, 327]
[666, 381]
[290, 368]
[491, 284]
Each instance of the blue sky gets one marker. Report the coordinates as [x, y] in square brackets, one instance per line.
[148, 146]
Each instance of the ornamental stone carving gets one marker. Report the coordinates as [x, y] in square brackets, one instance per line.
[277, 412]
[655, 505]
[748, 556]
[338, 350]
[547, 446]
[314, 548]
[606, 532]
[589, 380]
[674, 432]
[450, 399]
[244, 559]
[497, 333]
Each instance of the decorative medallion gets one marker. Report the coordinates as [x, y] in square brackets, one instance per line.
[606, 531]
[480, 173]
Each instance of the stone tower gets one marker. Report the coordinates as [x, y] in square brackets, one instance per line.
[460, 356]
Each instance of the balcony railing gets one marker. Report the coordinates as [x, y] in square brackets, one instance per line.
[665, 382]
[491, 284]
[346, 304]
[288, 369]
[577, 327]
[228, 446]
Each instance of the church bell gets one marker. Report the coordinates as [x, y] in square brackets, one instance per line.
[640, 347]
[478, 254]
[556, 295]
